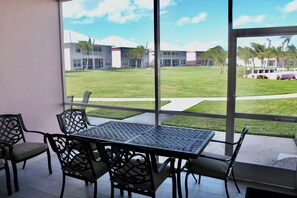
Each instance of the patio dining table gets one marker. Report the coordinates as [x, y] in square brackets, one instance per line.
[169, 141]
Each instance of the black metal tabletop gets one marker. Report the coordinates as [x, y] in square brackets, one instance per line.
[169, 141]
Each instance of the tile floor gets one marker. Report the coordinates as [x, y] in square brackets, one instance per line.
[34, 181]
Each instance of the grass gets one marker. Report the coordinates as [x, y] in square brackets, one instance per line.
[178, 82]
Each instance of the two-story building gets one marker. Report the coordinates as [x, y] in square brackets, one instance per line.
[120, 53]
[99, 57]
[170, 55]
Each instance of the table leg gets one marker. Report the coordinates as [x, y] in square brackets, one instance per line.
[178, 173]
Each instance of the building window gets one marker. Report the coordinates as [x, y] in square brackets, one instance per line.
[90, 64]
[175, 62]
[166, 53]
[97, 48]
[166, 62]
[77, 50]
[76, 63]
[98, 63]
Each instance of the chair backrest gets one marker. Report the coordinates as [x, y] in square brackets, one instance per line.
[75, 156]
[72, 120]
[86, 98]
[69, 99]
[128, 165]
[245, 130]
[11, 128]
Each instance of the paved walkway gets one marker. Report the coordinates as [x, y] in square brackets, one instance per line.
[271, 151]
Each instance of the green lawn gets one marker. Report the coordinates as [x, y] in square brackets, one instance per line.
[188, 82]
[176, 82]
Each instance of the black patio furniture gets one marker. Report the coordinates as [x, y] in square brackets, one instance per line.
[12, 137]
[4, 165]
[215, 165]
[76, 159]
[70, 100]
[85, 99]
[73, 120]
[177, 142]
[135, 169]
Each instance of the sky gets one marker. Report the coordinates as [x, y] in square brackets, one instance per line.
[183, 22]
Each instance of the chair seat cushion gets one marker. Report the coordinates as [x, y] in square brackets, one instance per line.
[2, 163]
[84, 169]
[158, 178]
[209, 167]
[27, 150]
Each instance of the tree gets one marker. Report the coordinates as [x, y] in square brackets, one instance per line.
[245, 53]
[137, 53]
[218, 55]
[291, 55]
[287, 40]
[86, 46]
[259, 51]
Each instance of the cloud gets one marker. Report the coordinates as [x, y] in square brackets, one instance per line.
[248, 19]
[117, 11]
[196, 19]
[84, 21]
[183, 21]
[291, 7]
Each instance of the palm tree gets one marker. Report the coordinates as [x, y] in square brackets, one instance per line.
[245, 53]
[86, 46]
[259, 51]
[137, 53]
[218, 55]
[291, 55]
[287, 40]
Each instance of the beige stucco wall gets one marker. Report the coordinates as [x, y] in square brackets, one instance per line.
[30, 62]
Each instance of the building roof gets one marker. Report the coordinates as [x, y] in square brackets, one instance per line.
[117, 41]
[199, 46]
[74, 37]
[165, 47]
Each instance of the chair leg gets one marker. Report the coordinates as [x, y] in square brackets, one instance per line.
[112, 190]
[95, 189]
[15, 176]
[186, 184]
[174, 185]
[194, 177]
[199, 180]
[235, 181]
[8, 184]
[121, 192]
[49, 162]
[129, 193]
[63, 185]
[24, 164]
[226, 188]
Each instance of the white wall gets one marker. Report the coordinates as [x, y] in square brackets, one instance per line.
[31, 75]
[116, 58]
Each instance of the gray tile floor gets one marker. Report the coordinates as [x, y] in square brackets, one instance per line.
[35, 181]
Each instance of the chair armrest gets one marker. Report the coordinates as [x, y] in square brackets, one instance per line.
[163, 166]
[224, 142]
[216, 158]
[38, 132]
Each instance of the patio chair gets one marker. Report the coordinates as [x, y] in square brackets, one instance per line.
[73, 120]
[214, 165]
[4, 165]
[76, 159]
[85, 99]
[12, 136]
[69, 99]
[135, 169]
